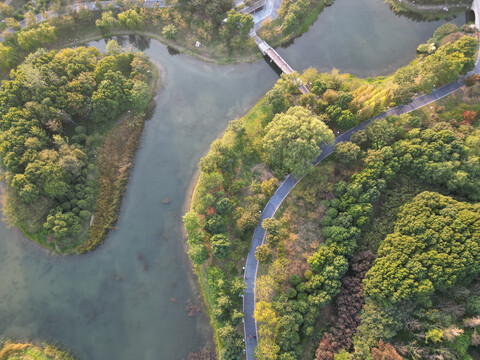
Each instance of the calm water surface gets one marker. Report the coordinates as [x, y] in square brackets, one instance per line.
[127, 299]
[362, 37]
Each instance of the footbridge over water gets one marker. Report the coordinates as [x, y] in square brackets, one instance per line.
[270, 52]
[254, 8]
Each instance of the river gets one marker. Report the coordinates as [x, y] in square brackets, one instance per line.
[127, 299]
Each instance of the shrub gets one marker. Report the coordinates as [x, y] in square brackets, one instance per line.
[264, 254]
[347, 152]
[198, 253]
[169, 32]
[269, 187]
[444, 30]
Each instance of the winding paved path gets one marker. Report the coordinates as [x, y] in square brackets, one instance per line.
[251, 267]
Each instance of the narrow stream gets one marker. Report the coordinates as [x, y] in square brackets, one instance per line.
[127, 299]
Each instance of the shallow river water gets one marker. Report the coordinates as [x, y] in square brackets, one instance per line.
[127, 299]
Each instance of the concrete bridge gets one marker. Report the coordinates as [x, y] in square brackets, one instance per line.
[253, 9]
[275, 57]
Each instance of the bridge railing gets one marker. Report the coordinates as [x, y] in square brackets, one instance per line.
[250, 9]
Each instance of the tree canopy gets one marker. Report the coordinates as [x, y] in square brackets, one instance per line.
[436, 244]
[54, 101]
[293, 138]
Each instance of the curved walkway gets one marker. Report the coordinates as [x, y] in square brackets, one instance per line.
[251, 267]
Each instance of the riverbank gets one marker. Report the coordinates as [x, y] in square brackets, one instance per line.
[114, 162]
[11, 350]
[428, 11]
[274, 31]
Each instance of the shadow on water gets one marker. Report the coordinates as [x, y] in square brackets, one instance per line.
[289, 42]
[469, 16]
[272, 65]
[139, 42]
[172, 51]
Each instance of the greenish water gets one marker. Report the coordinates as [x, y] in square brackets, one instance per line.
[362, 37]
[127, 299]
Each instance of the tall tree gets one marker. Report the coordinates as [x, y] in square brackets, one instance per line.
[293, 138]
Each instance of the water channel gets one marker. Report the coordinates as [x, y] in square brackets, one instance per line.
[127, 299]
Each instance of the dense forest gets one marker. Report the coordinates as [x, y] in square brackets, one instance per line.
[332, 237]
[55, 110]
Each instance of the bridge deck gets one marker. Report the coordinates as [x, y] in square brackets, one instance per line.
[267, 50]
[278, 60]
[259, 5]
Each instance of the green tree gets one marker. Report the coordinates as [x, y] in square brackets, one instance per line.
[12, 23]
[169, 32]
[293, 138]
[346, 119]
[318, 87]
[269, 187]
[377, 323]
[433, 247]
[6, 10]
[194, 229]
[238, 24]
[214, 224]
[28, 192]
[36, 37]
[8, 57]
[131, 19]
[223, 206]
[198, 253]
[106, 23]
[248, 220]
[112, 97]
[113, 48]
[277, 97]
[272, 226]
[347, 152]
[264, 254]
[220, 245]
[380, 133]
[434, 335]
[342, 355]
[30, 19]
[444, 30]
[63, 225]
